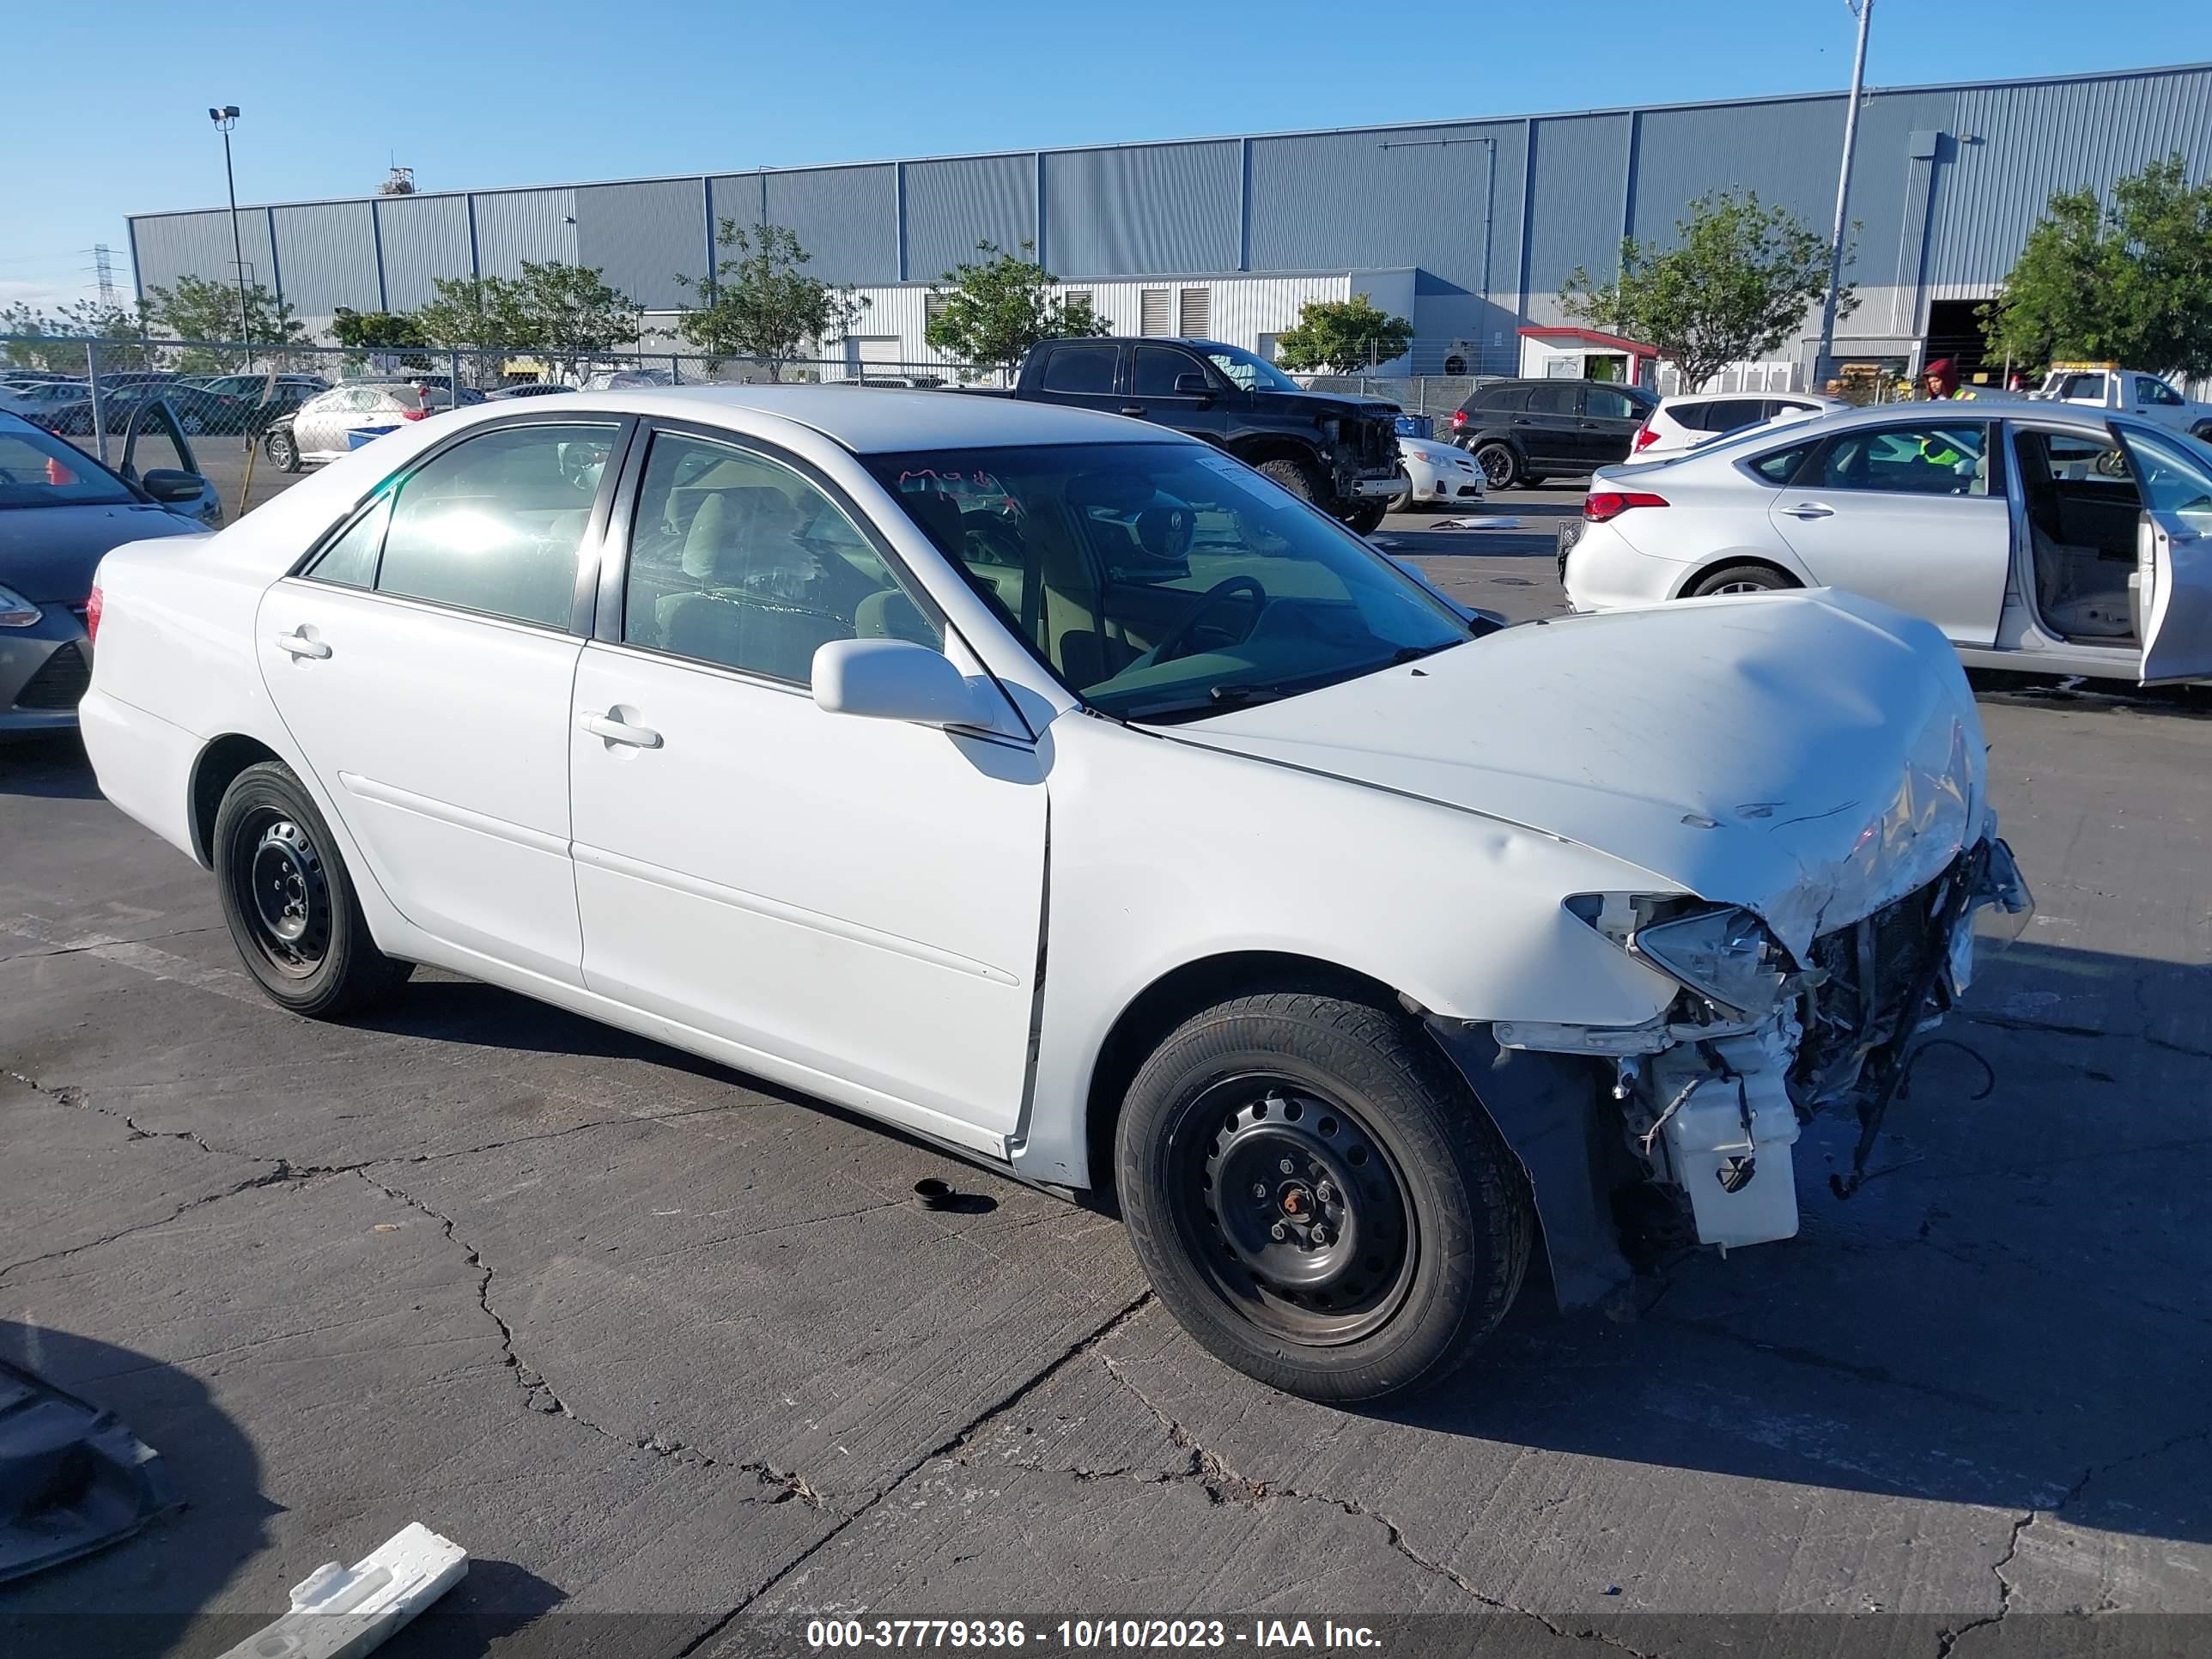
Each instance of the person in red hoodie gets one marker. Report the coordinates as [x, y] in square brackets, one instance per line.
[1940, 380]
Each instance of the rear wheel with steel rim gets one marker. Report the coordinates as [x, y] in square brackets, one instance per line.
[288, 901]
[1739, 579]
[1318, 1197]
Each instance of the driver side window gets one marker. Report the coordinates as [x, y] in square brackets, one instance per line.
[738, 560]
[493, 524]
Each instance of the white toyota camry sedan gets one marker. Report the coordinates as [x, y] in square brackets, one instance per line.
[1051, 786]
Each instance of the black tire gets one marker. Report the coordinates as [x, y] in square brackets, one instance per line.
[1738, 579]
[1501, 467]
[278, 873]
[1294, 475]
[1431, 1219]
[1363, 518]
[1403, 500]
[282, 449]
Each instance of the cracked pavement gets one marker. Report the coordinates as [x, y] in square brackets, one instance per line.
[675, 1356]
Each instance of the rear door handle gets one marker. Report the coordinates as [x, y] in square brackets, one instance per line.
[615, 730]
[300, 646]
[1810, 510]
[1133, 409]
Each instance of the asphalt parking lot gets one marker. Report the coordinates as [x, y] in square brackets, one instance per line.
[677, 1356]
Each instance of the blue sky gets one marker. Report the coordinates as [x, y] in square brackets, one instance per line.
[482, 92]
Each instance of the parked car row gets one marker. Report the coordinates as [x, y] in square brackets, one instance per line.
[245, 404]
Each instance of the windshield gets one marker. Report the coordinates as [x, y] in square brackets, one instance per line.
[1251, 373]
[1166, 581]
[39, 471]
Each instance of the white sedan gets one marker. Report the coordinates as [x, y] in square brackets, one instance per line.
[1015, 774]
[1431, 474]
[2036, 537]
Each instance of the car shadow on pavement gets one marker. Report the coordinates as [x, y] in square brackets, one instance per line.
[143, 1594]
[2009, 1313]
[53, 768]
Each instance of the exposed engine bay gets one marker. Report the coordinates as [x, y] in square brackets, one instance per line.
[1712, 1096]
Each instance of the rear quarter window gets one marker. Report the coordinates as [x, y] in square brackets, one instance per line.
[1778, 466]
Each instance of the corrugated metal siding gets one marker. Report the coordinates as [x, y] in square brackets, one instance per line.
[513, 226]
[1411, 196]
[846, 218]
[735, 195]
[1166, 207]
[2030, 142]
[173, 245]
[425, 237]
[329, 257]
[1787, 152]
[640, 236]
[1581, 182]
[953, 205]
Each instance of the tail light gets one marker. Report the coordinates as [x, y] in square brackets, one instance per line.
[1646, 437]
[1602, 504]
[1459, 419]
[92, 616]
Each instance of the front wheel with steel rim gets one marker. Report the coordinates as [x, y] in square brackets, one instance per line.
[1318, 1197]
[283, 449]
[288, 901]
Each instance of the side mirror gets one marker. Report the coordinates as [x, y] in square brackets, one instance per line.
[893, 680]
[167, 484]
[1193, 386]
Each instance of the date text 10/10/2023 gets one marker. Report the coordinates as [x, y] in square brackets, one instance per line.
[1083, 1634]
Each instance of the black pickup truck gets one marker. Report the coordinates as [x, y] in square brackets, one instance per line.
[1339, 452]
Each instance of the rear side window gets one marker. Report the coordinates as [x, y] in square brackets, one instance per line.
[1692, 417]
[1556, 399]
[1083, 370]
[1727, 413]
[1603, 403]
[1778, 466]
[493, 524]
[1499, 397]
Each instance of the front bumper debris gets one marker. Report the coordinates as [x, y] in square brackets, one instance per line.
[1711, 1105]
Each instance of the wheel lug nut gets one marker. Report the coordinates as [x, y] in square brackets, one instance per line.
[1319, 1234]
[1278, 1233]
[1259, 1190]
[1324, 1192]
[1286, 1166]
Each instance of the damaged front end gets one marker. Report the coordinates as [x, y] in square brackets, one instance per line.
[1711, 1095]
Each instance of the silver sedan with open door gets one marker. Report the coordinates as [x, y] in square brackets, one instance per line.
[2037, 538]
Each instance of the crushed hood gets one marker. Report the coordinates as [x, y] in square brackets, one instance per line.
[1810, 756]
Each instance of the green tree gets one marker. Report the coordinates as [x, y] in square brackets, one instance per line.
[476, 314]
[377, 329]
[2129, 279]
[759, 303]
[202, 310]
[997, 308]
[1342, 335]
[1738, 282]
[55, 341]
[571, 315]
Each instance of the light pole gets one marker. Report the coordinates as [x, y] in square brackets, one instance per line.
[1826, 361]
[225, 119]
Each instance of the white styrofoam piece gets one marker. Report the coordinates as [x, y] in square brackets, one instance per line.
[341, 1612]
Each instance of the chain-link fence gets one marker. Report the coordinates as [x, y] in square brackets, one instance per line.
[95, 389]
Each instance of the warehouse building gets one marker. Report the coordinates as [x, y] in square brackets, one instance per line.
[1469, 229]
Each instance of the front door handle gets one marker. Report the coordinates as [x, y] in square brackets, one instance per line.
[1810, 510]
[1133, 409]
[617, 731]
[300, 646]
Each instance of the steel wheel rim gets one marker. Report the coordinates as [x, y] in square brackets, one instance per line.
[1497, 465]
[1348, 1243]
[287, 890]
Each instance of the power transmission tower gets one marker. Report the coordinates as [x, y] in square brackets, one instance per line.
[103, 271]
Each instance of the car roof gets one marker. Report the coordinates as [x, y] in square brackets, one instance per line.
[881, 420]
[1728, 448]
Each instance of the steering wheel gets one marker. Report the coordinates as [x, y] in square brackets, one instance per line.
[1171, 647]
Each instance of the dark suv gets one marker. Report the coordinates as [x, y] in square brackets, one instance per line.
[1521, 432]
